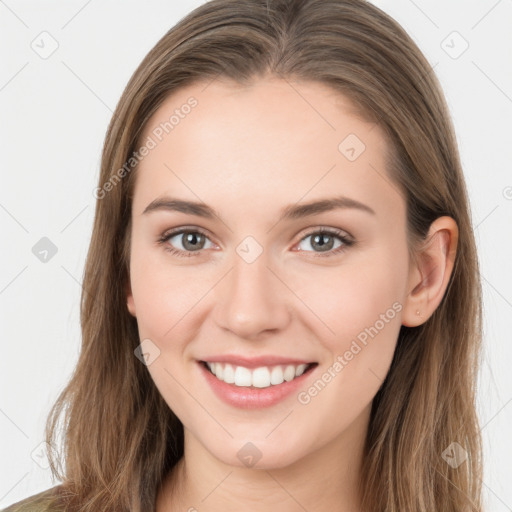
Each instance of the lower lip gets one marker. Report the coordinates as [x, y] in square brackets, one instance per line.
[250, 397]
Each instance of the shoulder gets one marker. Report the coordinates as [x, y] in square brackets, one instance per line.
[45, 501]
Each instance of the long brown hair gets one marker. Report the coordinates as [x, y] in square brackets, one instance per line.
[120, 438]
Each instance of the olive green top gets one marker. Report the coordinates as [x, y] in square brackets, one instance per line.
[44, 501]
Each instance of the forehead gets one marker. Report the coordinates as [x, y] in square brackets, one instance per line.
[273, 142]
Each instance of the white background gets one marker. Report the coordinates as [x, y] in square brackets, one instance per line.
[54, 115]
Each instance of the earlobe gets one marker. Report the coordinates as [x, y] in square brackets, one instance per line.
[129, 299]
[430, 274]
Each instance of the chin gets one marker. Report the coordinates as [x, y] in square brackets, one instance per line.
[255, 454]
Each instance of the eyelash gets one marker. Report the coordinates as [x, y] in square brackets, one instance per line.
[347, 242]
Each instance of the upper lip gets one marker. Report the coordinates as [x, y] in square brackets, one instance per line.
[254, 362]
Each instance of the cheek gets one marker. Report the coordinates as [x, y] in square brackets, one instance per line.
[351, 298]
[155, 291]
[362, 311]
[166, 299]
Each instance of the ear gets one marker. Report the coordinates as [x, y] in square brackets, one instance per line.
[129, 298]
[430, 273]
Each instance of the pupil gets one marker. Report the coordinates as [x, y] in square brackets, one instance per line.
[191, 238]
[323, 246]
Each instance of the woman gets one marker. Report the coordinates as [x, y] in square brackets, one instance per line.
[281, 306]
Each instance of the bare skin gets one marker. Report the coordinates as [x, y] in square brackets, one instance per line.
[248, 152]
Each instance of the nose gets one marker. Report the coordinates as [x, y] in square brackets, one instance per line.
[252, 300]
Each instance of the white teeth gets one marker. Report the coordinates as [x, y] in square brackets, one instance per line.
[300, 369]
[261, 377]
[219, 370]
[242, 376]
[276, 377]
[289, 373]
[229, 373]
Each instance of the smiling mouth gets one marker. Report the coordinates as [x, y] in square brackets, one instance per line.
[257, 378]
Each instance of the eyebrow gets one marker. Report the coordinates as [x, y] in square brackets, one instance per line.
[290, 212]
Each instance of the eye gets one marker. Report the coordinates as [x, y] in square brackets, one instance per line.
[191, 241]
[324, 240]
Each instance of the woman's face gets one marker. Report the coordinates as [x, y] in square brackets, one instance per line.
[252, 282]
